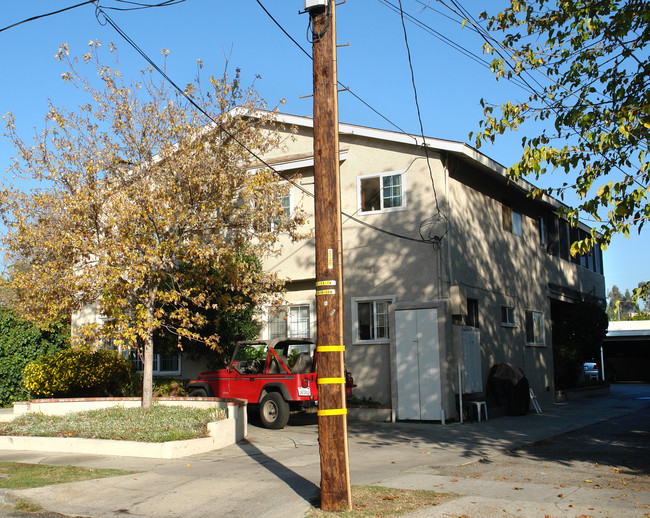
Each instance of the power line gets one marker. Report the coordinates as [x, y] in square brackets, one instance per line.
[109, 20]
[347, 88]
[138, 5]
[417, 105]
[448, 41]
[31, 19]
[444, 39]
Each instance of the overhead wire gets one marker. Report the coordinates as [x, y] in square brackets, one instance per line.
[45, 15]
[447, 41]
[444, 39]
[419, 113]
[345, 87]
[127, 38]
[140, 5]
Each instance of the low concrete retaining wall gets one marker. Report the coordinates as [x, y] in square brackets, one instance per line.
[222, 433]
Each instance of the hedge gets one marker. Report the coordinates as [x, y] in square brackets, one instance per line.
[78, 372]
[21, 343]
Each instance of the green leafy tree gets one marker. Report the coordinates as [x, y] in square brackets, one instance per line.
[621, 306]
[231, 326]
[20, 343]
[586, 64]
[134, 185]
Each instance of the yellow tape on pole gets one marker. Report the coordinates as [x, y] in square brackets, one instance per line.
[330, 348]
[334, 411]
[328, 381]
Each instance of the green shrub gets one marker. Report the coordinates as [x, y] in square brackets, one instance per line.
[166, 387]
[21, 343]
[78, 372]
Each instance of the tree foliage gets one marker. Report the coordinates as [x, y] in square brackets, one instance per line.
[133, 186]
[587, 65]
[620, 305]
[20, 343]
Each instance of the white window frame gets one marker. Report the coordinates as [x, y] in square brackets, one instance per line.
[291, 205]
[390, 299]
[156, 365]
[511, 316]
[286, 309]
[381, 176]
[538, 320]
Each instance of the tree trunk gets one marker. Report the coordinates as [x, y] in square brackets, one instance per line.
[147, 373]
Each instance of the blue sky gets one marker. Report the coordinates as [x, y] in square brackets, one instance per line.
[374, 65]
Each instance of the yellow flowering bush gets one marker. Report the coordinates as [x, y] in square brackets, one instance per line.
[77, 372]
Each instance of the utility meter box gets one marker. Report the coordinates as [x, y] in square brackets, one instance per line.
[313, 4]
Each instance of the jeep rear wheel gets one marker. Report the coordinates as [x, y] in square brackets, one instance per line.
[274, 411]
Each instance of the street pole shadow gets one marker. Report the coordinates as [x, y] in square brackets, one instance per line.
[304, 488]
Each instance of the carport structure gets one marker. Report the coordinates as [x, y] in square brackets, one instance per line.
[626, 350]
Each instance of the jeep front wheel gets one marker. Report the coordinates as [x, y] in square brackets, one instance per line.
[274, 411]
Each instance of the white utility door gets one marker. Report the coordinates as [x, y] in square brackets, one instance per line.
[418, 364]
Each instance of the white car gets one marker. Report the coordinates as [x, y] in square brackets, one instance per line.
[591, 371]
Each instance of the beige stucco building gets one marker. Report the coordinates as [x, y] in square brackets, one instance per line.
[448, 267]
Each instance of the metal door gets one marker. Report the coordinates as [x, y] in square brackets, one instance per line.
[418, 364]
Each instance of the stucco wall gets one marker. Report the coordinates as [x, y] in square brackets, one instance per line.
[499, 268]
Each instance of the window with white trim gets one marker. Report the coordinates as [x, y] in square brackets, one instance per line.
[534, 328]
[370, 320]
[381, 192]
[290, 321]
[287, 206]
[163, 364]
[508, 316]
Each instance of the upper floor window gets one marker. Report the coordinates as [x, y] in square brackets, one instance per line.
[508, 316]
[287, 206]
[381, 192]
[511, 220]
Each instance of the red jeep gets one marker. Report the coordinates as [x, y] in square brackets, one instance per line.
[278, 375]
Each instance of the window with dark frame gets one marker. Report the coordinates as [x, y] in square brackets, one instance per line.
[471, 319]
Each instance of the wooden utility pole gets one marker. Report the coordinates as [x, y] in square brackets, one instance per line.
[332, 412]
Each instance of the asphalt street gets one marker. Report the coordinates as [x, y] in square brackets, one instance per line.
[583, 458]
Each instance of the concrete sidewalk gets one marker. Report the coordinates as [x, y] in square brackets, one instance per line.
[275, 473]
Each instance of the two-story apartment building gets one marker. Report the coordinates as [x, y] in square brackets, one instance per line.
[449, 268]
[446, 262]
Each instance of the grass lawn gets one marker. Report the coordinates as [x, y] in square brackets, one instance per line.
[15, 475]
[155, 424]
[373, 501]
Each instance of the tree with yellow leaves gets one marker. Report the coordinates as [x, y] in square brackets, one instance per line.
[143, 204]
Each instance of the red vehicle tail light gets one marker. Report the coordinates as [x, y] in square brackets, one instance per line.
[305, 383]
